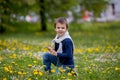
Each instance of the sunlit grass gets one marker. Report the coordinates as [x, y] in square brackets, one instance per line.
[97, 53]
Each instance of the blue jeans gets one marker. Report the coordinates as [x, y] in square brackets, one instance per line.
[49, 59]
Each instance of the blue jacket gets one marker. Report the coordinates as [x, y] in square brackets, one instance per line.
[66, 58]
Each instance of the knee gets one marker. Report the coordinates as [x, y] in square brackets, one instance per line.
[46, 56]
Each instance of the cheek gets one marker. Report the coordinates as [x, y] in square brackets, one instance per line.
[64, 29]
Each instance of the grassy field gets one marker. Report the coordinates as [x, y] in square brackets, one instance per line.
[97, 52]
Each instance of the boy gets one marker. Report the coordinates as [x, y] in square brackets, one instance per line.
[62, 53]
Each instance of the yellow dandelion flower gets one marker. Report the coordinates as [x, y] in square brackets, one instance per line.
[19, 72]
[97, 49]
[40, 73]
[25, 48]
[44, 50]
[14, 55]
[61, 69]
[117, 69]
[29, 79]
[92, 64]
[34, 62]
[69, 79]
[4, 78]
[30, 54]
[6, 69]
[69, 74]
[11, 71]
[13, 49]
[24, 73]
[72, 72]
[86, 69]
[29, 65]
[1, 58]
[16, 64]
[13, 62]
[68, 68]
[53, 71]
[35, 72]
[0, 48]
[63, 77]
[89, 50]
[76, 66]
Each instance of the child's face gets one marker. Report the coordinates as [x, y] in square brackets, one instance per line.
[60, 29]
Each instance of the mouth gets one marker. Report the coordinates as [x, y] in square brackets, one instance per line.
[60, 32]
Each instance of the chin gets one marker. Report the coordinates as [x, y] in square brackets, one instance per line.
[60, 35]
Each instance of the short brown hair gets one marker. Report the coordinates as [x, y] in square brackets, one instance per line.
[61, 20]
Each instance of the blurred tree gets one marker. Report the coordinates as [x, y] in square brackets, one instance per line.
[51, 9]
[42, 14]
[48, 9]
[97, 6]
[9, 10]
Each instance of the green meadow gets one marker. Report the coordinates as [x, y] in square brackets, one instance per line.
[96, 54]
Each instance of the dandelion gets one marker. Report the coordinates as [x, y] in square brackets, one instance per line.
[6, 69]
[24, 73]
[69, 79]
[13, 62]
[63, 77]
[40, 73]
[53, 71]
[34, 62]
[72, 72]
[30, 53]
[29, 65]
[69, 74]
[29, 79]
[14, 55]
[117, 69]
[11, 71]
[93, 65]
[13, 49]
[1, 58]
[35, 72]
[68, 68]
[61, 69]
[89, 50]
[44, 50]
[25, 48]
[86, 69]
[4, 78]
[0, 48]
[76, 66]
[97, 49]
[19, 73]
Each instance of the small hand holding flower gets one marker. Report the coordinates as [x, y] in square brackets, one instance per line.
[52, 51]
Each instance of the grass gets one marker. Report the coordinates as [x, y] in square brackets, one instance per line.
[97, 52]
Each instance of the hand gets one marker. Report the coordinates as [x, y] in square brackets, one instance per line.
[52, 51]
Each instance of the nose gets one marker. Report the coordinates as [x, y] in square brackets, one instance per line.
[60, 29]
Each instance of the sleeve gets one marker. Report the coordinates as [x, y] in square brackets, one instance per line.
[67, 50]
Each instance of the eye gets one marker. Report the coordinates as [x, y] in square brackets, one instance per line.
[63, 27]
[58, 27]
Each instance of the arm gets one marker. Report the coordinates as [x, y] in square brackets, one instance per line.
[67, 50]
[52, 51]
